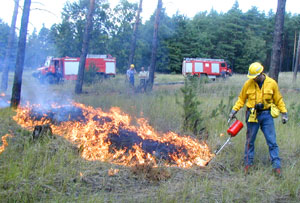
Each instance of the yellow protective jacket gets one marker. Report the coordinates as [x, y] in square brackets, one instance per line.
[268, 94]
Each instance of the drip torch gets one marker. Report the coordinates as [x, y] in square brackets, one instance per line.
[232, 131]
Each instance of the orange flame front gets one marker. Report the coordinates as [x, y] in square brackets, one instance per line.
[98, 133]
[3, 138]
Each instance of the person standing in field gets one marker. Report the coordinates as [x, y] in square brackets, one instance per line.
[130, 75]
[263, 101]
[143, 76]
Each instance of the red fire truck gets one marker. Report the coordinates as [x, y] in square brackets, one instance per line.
[56, 69]
[211, 68]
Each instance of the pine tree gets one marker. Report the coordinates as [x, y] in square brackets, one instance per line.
[277, 41]
[9, 49]
[192, 118]
[16, 91]
[85, 47]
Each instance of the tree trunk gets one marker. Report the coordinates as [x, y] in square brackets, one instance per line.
[85, 48]
[134, 36]
[10, 43]
[277, 40]
[297, 61]
[16, 91]
[154, 45]
[281, 56]
[294, 53]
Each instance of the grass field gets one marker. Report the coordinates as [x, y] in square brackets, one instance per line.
[52, 170]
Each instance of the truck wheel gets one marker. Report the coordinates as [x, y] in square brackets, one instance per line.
[50, 79]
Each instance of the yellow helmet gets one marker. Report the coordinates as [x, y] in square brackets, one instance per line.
[132, 66]
[255, 69]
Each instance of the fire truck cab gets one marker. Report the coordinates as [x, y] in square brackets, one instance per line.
[205, 67]
[66, 68]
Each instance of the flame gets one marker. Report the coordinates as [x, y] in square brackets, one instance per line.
[2, 94]
[99, 136]
[112, 172]
[3, 138]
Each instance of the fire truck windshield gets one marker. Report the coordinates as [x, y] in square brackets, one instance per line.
[48, 61]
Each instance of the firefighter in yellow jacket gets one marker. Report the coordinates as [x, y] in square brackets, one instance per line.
[260, 93]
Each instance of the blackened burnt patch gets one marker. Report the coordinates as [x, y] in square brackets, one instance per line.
[58, 115]
[102, 120]
[126, 139]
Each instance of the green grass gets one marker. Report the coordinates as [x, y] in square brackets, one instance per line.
[50, 170]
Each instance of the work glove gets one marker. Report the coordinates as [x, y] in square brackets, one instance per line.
[232, 115]
[284, 118]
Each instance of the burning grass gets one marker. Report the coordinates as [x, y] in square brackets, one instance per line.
[110, 136]
[3, 138]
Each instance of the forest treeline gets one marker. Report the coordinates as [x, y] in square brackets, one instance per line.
[236, 36]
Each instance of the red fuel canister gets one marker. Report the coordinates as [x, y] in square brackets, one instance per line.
[235, 128]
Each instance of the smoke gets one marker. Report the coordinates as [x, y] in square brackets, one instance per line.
[33, 92]
[43, 94]
[3, 102]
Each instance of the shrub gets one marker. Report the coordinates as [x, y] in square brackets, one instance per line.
[91, 74]
[192, 118]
